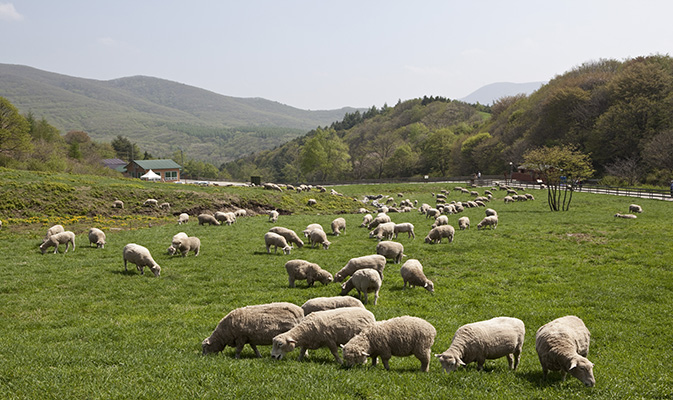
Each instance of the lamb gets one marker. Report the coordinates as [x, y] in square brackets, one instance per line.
[412, 273]
[96, 236]
[65, 237]
[183, 218]
[207, 219]
[338, 225]
[311, 227]
[301, 269]
[254, 325]
[366, 220]
[463, 223]
[385, 230]
[118, 204]
[627, 216]
[392, 250]
[165, 206]
[491, 221]
[490, 212]
[311, 202]
[563, 345]
[273, 215]
[400, 337]
[276, 240]
[381, 219]
[185, 244]
[318, 236]
[171, 250]
[151, 203]
[141, 257]
[635, 208]
[405, 227]
[329, 328]
[441, 220]
[375, 261]
[52, 231]
[289, 235]
[330, 303]
[436, 234]
[364, 280]
[240, 213]
[485, 340]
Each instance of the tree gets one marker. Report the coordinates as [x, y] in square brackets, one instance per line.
[625, 168]
[325, 155]
[14, 130]
[125, 149]
[437, 150]
[560, 167]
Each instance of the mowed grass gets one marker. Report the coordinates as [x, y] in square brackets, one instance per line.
[77, 325]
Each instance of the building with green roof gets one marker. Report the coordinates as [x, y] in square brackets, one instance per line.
[168, 169]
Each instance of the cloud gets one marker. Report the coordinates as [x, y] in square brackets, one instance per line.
[9, 13]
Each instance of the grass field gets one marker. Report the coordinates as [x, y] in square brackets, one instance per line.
[78, 326]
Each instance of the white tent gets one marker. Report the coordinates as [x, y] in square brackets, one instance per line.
[151, 176]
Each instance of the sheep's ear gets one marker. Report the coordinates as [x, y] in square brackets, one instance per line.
[342, 345]
[426, 285]
[438, 355]
[290, 340]
[572, 365]
[365, 354]
[460, 362]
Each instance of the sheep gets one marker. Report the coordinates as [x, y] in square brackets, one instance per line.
[338, 225]
[381, 219]
[412, 273]
[635, 208]
[66, 237]
[183, 218]
[276, 240]
[171, 250]
[151, 203]
[97, 237]
[52, 231]
[485, 340]
[318, 236]
[364, 280]
[273, 215]
[436, 234]
[385, 230]
[529, 196]
[240, 213]
[330, 303]
[311, 202]
[627, 216]
[400, 337]
[185, 244]
[254, 325]
[289, 235]
[563, 345]
[441, 220]
[118, 204]
[329, 328]
[432, 212]
[366, 220]
[311, 227]
[375, 261]
[508, 199]
[207, 219]
[392, 250]
[490, 212]
[225, 217]
[165, 206]
[405, 227]
[141, 257]
[491, 221]
[301, 269]
[463, 223]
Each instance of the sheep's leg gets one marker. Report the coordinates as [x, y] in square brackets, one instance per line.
[374, 360]
[302, 353]
[259, 355]
[510, 361]
[56, 249]
[376, 297]
[480, 364]
[517, 357]
[425, 361]
[125, 268]
[360, 296]
[239, 348]
[335, 352]
[385, 363]
[291, 281]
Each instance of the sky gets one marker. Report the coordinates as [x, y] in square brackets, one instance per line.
[326, 54]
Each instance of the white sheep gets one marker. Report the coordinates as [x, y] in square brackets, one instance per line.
[207, 219]
[171, 250]
[240, 213]
[385, 230]
[443, 231]
[432, 213]
[491, 220]
[330, 303]
[366, 220]
[400, 337]
[289, 235]
[304, 270]
[626, 216]
[185, 244]
[412, 273]
[338, 225]
[485, 340]
[276, 240]
[380, 219]
[489, 212]
[405, 227]
[463, 223]
[563, 345]
[165, 206]
[151, 203]
[311, 202]
[141, 257]
[508, 199]
[66, 237]
[364, 281]
[97, 237]
[183, 218]
[273, 215]
[311, 227]
[441, 220]
[318, 236]
[253, 325]
[375, 261]
[225, 217]
[392, 250]
[52, 231]
[329, 328]
[118, 204]
[635, 208]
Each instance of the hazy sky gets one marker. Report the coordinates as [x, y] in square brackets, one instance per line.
[324, 54]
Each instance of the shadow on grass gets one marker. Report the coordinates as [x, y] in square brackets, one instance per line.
[537, 379]
[130, 272]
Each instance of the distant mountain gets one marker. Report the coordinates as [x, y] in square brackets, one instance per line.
[161, 116]
[488, 94]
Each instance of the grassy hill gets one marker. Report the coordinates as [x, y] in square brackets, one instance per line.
[160, 115]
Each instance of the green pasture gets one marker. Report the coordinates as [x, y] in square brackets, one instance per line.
[77, 326]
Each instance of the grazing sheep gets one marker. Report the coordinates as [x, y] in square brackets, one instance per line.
[52, 231]
[338, 225]
[318, 236]
[635, 208]
[441, 220]
[65, 237]
[432, 213]
[364, 280]
[366, 220]
[385, 230]
[97, 237]
[141, 257]
[276, 240]
[185, 244]
[392, 250]
[183, 218]
[627, 216]
[508, 199]
[165, 206]
[254, 325]
[330, 303]
[171, 250]
[311, 227]
[225, 217]
[207, 219]
[412, 273]
[490, 212]
[485, 340]
[491, 221]
[375, 261]
[240, 213]
[289, 235]
[329, 328]
[311, 202]
[563, 345]
[380, 219]
[301, 269]
[443, 231]
[151, 203]
[529, 196]
[400, 337]
[118, 204]
[405, 227]
[463, 223]
[362, 210]
[273, 215]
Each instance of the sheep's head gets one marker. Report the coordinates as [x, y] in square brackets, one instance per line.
[156, 269]
[44, 246]
[428, 240]
[209, 346]
[287, 249]
[326, 244]
[171, 250]
[583, 369]
[281, 346]
[429, 286]
[353, 355]
[325, 277]
[449, 362]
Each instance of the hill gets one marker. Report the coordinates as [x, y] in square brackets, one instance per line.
[159, 115]
[489, 94]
